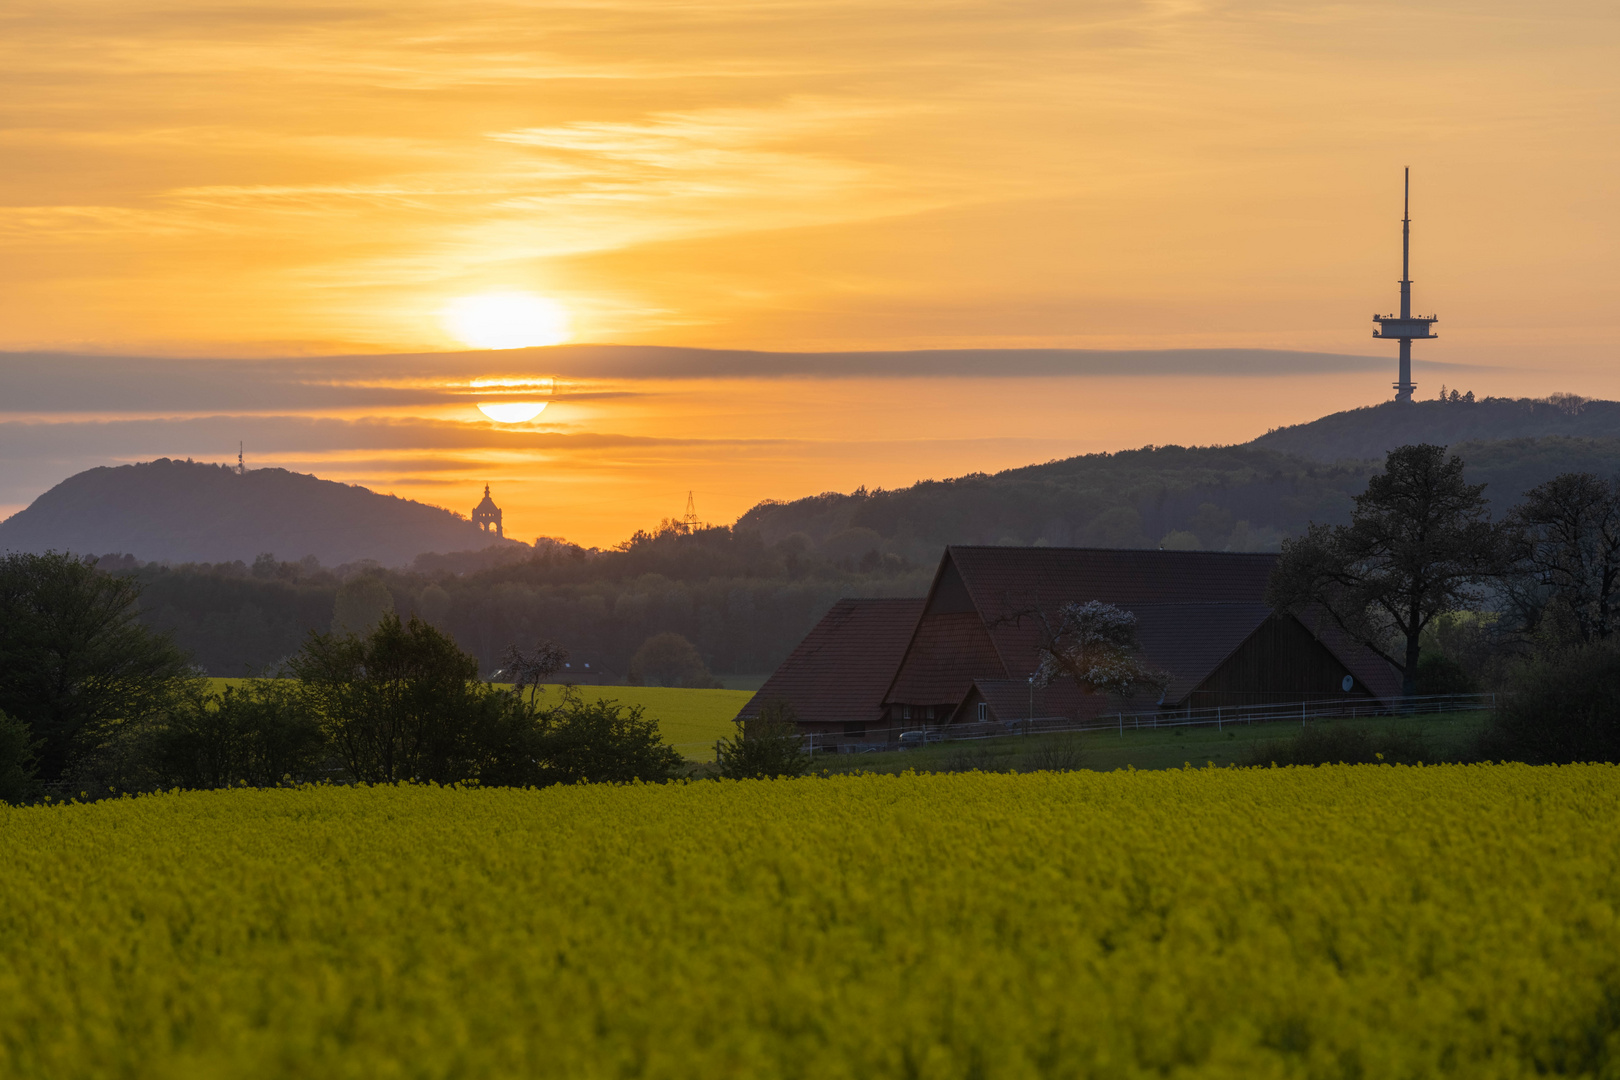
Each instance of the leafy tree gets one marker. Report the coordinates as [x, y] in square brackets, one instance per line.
[1420, 543]
[1567, 553]
[74, 658]
[668, 659]
[17, 781]
[259, 733]
[434, 604]
[766, 746]
[361, 604]
[1095, 644]
[602, 742]
[398, 704]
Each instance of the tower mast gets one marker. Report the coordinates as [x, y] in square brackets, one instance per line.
[1404, 328]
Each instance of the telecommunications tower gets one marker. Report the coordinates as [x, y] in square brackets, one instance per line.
[1404, 327]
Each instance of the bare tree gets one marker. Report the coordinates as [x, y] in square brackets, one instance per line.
[1567, 553]
[529, 670]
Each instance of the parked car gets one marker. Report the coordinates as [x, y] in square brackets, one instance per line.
[911, 739]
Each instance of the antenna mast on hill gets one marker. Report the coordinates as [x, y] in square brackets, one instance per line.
[241, 470]
[689, 521]
[1403, 327]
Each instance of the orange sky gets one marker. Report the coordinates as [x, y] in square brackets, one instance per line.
[303, 180]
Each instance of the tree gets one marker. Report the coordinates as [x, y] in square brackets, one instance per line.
[259, 733]
[361, 604]
[766, 746]
[668, 659]
[74, 658]
[1566, 548]
[602, 741]
[1095, 644]
[1420, 543]
[17, 782]
[529, 670]
[398, 704]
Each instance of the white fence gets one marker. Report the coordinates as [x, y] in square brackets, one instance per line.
[1218, 717]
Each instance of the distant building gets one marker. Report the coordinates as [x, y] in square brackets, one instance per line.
[487, 516]
[964, 653]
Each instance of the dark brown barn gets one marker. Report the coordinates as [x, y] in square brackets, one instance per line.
[836, 677]
[970, 646]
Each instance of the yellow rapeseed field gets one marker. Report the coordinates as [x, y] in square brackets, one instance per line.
[1337, 922]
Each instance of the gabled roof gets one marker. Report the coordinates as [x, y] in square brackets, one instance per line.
[1193, 609]
[1371, 670]
[841, 668]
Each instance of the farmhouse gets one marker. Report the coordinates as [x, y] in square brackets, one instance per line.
[965, 653]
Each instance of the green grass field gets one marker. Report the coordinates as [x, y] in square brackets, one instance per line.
[1450, 735]
[690, 720]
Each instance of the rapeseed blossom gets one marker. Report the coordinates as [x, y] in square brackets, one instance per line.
[1349, 921]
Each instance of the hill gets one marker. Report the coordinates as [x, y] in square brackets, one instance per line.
[1238, 498]
[1375, 430]
[183, 511]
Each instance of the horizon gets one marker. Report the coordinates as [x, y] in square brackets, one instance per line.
[603, 537]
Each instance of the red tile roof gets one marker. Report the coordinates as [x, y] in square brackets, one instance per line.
[840, 670]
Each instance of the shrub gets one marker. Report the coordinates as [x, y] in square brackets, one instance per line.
[603, 742]
[258, 734]
[1561, 707]
[1055, 753]
[766, 746]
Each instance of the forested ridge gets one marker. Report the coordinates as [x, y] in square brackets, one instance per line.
[745, 594]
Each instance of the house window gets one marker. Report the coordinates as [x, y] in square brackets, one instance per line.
[905, 712]
[984, 711]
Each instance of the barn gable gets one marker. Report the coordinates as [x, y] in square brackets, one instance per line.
[1201, 616]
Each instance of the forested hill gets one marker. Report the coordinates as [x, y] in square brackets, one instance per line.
[183, 511]
[1239, 498]
[1374, 431]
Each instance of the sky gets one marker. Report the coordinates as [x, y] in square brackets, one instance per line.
[268, 223]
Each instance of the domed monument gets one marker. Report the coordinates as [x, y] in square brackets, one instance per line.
[487, 516]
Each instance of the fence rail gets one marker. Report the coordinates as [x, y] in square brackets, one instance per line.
[1218, 717]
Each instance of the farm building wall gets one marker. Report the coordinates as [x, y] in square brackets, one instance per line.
[1280, 662]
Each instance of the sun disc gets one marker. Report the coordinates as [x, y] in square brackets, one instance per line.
[509, 320]
[512, 412]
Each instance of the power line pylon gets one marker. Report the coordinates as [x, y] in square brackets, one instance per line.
[689, 520]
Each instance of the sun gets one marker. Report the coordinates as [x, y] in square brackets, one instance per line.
[512, 412]
[506, 320]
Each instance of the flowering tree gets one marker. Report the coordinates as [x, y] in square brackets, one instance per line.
[1095, 644]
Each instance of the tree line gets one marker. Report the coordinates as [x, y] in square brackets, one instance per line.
[93, 703]
[743, 604]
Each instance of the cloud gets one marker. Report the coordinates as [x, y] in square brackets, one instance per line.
[33, 384]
